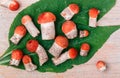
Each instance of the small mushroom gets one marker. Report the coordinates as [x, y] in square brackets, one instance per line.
[34, 46]
[16, 57]
[101, 66]
[13, 5]
[85, 47]
[19, 33]
[93, 14]
[70, 11]
[84, 33]
[60, 43]
[29, 66]
[27, 21]
[70, 54]
[69, 29]
[46, 20]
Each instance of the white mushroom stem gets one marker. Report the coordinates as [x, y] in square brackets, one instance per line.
[55, 50]
[48, 30]
[14, 62]
[102, 68]
[72, 34]
[16, 38]
[30, 66]
[42, 55]
[83, 52]
[32, 28]
[5, 3]
[65, 56]
[67, 14]
[92, 22]
[82, 34]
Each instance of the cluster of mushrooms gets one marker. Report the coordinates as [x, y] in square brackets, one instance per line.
[46, 21]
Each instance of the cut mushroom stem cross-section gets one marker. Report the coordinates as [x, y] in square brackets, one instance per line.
[70, 54]
[29, 66]
[101, 66]
[85, 47]
[32, 29]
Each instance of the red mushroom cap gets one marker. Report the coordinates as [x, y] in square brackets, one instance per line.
[32, 45]
[46, 17]
[26, 59]
[93, 12]
[68, 26]
[86, 32]
[62, 41]
[14, 5]
[17, 54]
[100, 64]
[21, 30]
[85, 46]
[74, 8]
[73, 53]
[25, 19]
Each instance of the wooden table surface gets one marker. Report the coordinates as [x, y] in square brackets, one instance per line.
[110, 51]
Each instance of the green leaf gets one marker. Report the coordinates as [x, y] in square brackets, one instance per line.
[96, 39]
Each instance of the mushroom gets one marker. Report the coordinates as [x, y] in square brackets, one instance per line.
[83, 33]
[93, 14]
[34, 46]
[19, 33]
[60, 43]
[27, 21]
[85, 47]
[16, 57]
[46, 20]
[101, 66]
[70, 54]
[29, 66]
[70, 11]
[13, 5]
[69, 29]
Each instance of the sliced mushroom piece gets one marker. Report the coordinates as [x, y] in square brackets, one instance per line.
[93, 14]
[70, 54]
[101, 66]
[60, 43]
[19, 33]
[13, 5]
[34, 46]
[32, 29]
[70, 11]
[16, 57]
[69, 29]
[83, 33]
[46, 20]
[29, 66]
[85, 47]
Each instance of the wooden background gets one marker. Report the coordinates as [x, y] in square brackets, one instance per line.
[110, 52]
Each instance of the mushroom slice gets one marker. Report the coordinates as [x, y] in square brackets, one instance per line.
[70, 11]
[29, 66]
[70, 54]
[27, 21]
[19, 33]
[46, 20]
[69, 29]
[101, 66]
[85, 47]
[34, 46]
[93, 14]
[84, 33]
[13, 5]
[16, 57]
[60, 43]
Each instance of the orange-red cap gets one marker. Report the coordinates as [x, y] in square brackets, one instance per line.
[85, 46]
[32, 45]
[14, 5]
[74, 8]
[68, 26]
[26, 59]
[25, 19]
[86, 32]
[73, 53]
[100, 64]
[21, 30]
[46, 17]
[93, 12]
[17, 54]
[62, 41]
